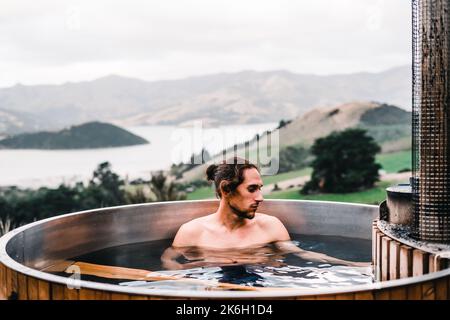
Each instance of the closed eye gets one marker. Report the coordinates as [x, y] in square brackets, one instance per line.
[254, 188]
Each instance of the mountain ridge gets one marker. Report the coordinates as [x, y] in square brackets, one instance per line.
[223, 98]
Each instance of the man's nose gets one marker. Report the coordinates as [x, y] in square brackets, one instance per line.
[259, 197]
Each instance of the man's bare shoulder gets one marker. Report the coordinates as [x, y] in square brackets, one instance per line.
[273, 225]
[264, 218]
[189, 232]
[197, 222]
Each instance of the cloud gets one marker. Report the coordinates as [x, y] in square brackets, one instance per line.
[57, 41]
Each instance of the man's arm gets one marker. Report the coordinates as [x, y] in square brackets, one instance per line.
[282, 241]
[186, 236]
[290, 247]
[276, 229]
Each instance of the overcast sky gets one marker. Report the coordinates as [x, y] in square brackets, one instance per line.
[58, 41]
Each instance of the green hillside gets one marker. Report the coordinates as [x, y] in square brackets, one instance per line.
[86, 136]
[371, 196]
[395, 161]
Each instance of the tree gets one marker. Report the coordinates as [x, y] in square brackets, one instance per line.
[344, 162]
[177, 170]
[5, 216]
[292, 158]
[283, 123]
[104, 188]
[164, 189]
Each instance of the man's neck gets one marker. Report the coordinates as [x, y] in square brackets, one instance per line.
[228, 218]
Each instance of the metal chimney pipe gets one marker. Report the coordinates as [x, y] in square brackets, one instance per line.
[431, 120]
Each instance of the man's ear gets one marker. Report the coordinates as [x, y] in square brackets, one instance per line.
[224, 187]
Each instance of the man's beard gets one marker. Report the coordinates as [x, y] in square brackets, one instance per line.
[242, 214]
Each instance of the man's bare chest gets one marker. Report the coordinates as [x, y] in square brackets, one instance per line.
[239, 238]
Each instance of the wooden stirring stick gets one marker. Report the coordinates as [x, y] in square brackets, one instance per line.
[112, 272]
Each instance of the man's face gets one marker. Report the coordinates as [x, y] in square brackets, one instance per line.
[245, 200]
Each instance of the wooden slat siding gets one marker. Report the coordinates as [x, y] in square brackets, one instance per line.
[326, 297]
[399, 293]
[9, 282]
[44, 290]
[104, 295]
[428, 291]
[33, 289]
[420, 262]
[405, 262]
[374, 244]
[119, 296]
[365, 295]
[394, 260]
[378, 269]
[437, 263]
[5, 283]
[15, 281]
[71, 294]
[414, 292]
[441, 264]
[385, 246]
[22, 286]
[431, 266]
[440, 286]
[448, 288]
[345, 296]
[382, 294]
[2, 282]
[173, 298]
[87, 294]
[91, 294]
[57, 291]
[136, 297]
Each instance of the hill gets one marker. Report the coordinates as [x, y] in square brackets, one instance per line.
[238, 98]
[12, 122]
[389, 125]
[86, 136]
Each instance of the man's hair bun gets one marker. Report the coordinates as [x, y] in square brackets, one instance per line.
[231, 171]
[211, 172]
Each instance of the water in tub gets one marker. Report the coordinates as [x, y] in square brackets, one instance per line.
[264, 266]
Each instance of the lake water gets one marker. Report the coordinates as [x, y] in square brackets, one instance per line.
[168, 144]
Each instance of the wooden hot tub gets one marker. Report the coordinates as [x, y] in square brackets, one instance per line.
[34, 247]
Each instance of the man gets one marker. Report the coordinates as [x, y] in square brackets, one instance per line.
[236, 224]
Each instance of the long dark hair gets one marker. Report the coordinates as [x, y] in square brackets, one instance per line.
[230, 170]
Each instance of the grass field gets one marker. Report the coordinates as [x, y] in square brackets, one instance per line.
[286, 176]
[201, 193]
[390, 162]
[395, 161]
[371, 196]
[208, 192]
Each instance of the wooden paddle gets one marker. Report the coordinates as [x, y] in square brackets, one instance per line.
[112, 272]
